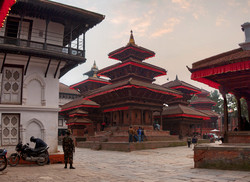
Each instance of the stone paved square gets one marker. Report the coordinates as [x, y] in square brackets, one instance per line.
[174, 164]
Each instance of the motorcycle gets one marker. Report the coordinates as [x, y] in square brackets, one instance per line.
[3, 159]
[40, 156]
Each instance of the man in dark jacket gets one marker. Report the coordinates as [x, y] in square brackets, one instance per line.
[68, 149]
[39, 143]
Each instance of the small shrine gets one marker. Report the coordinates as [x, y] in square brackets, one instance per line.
[179, 118]
[230, 73]
[204, 105]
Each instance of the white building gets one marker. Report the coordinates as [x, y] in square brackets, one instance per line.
[65, 95]
[40, 42]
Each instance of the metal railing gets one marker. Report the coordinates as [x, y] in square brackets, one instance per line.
[76, 47]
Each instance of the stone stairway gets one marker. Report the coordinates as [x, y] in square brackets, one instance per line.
[116, 138]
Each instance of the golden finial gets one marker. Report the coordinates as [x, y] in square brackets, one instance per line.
[131, 39]
[94, 65]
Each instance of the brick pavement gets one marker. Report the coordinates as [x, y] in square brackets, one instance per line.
[174, 164]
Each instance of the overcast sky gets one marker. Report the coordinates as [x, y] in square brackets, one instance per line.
[180, 32]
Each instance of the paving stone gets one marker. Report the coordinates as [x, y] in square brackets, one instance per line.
[157, 165]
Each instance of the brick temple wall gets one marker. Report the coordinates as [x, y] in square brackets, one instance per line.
[229, 157]
[239, 137]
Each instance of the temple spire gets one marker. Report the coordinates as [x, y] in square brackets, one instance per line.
[176, 77]
[131, 39]
[94, 66]
[94, 69]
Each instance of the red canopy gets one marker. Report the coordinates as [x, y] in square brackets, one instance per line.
[5, 6]
[201, 75]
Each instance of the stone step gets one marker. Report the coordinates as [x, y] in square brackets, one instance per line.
[127, 147]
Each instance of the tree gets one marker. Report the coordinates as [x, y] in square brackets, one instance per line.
[216, 97]
[244, 110]
[231, 104]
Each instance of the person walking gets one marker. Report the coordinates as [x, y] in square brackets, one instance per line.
[68, 149]
[194, 141]
[189, 139]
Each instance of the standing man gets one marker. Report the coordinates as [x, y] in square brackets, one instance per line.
[130, 134]
[189, 139]
[68, 149]
[139, 133]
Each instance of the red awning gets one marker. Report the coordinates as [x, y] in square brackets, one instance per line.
[201, 75]
[5, 7]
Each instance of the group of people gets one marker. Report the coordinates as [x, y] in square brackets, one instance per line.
[193, 140]
[136, 135]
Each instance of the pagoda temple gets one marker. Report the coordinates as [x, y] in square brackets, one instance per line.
[178, 117]
[204, 105]
[93, 82]
[132, 98]
[83, 115]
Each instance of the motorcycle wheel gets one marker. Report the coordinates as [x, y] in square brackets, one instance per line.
[14, 160]
[3, 163]
[43, 162]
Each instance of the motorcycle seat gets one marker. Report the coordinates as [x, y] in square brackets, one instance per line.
[38, 149]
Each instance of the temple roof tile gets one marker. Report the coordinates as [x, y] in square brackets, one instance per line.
[136, 83]
[181, 85]
[133, 62]
[66, 89]
[81, 102]
[184, 110]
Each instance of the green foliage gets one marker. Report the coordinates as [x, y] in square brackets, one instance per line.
[216, 97]
[244, 111]
[231, 103]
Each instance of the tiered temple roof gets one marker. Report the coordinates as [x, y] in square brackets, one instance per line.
[204, 104]
[132, 81]
[81, 111]
[131, 50]
[92, 82]
[179, 107]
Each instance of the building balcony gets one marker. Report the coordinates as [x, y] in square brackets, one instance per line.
[40, 46]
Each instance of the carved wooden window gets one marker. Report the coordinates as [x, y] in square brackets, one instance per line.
[11, 85]
[10, 129]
